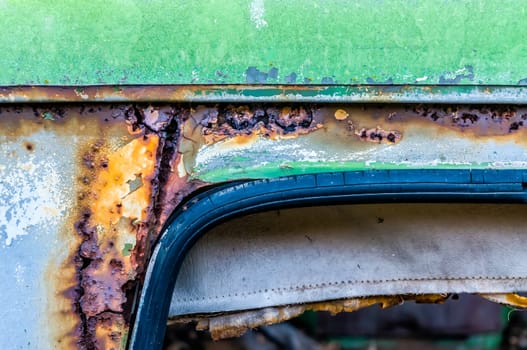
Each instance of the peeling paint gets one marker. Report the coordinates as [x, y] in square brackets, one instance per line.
[124, 193]
[257, 11]
[235, 324]
[111, 219]
[457, 77]
[125, 185]
[26, 205]
[402, 136]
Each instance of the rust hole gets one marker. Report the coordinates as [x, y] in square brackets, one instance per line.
[30, 147]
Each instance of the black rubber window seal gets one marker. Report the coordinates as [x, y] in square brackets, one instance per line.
[209, 208]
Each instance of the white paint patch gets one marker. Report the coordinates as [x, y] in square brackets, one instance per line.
[19, 274]
[195, 75]
[257, 12]
[31, 196]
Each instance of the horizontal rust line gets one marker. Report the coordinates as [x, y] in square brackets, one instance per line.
[470, 94]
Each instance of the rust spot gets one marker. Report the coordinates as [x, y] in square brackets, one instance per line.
[272, 122]
[341, 114]
[378, 135]
[110, 331]
[29, 146]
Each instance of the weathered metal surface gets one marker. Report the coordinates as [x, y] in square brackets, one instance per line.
[87, 187]
[411, 136]
[209, 93]
[235, 324]
[36, 167]
[263, 41]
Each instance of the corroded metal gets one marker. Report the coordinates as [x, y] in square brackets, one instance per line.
[91, 185]
[247, 93]
[110, 189]
[235, 324]
[370, 137]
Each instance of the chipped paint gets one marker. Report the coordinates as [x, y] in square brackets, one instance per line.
[397, 136]
[26, 205]
[106, 175]
[125, 192]
[257, 12]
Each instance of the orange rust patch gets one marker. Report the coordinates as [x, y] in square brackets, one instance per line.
[113, 193]
[62, 319]
[242, 140]
[118, 197]
[127, 191]
[341, 114]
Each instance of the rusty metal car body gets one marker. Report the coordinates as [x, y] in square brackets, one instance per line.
[132, 131]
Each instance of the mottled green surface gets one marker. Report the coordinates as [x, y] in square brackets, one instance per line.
[333, 41]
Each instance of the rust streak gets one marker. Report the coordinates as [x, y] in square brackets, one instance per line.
[130, 191]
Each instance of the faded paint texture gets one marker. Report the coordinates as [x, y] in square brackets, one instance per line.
[87, 188]
[263, 41]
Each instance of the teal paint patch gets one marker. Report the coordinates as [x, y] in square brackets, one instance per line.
[127, 249]
[299, 168]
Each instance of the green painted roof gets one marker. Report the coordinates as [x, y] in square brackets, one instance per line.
[70, 42]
